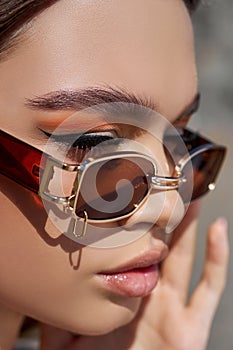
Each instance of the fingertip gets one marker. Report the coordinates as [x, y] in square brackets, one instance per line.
[222, 223]
[218, 240]
[218, 230]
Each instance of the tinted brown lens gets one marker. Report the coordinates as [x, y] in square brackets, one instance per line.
[113, 188]
[205, 169]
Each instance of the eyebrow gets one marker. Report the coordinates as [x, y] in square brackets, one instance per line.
[93, 97]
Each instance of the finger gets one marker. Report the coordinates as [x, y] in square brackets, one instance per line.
[177, 268]
[206, 297]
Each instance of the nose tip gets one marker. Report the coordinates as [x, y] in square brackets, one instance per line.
[165, 209]
[172, 213]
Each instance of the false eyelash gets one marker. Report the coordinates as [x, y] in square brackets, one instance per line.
[76, 140]
[75, 147]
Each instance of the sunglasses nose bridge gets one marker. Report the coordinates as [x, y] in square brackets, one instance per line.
[165, 183]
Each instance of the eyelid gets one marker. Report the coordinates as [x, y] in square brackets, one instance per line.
[75, 136]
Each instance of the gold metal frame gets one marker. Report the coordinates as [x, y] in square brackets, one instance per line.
[70, 202]
[156, 181]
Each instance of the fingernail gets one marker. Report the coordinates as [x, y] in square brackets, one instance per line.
[222, 222]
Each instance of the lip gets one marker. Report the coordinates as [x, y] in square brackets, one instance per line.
[146, 259]
[136, 278]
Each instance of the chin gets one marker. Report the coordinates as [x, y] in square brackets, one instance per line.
[102, 321]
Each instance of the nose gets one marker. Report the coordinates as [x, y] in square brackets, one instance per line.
[162, 208]
[165, 209]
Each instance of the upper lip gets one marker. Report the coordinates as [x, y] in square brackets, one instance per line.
[146, 259]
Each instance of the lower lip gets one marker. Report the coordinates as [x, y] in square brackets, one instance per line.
[132, 283]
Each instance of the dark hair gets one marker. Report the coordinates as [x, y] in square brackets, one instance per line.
[192, 4]
[16, 14]
[14, 17]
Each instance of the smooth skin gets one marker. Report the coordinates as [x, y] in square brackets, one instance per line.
[145, 48]
[166, 319]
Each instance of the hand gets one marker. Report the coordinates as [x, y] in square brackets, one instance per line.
[166, 320]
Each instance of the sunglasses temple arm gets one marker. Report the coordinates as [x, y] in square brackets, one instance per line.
[20, 162]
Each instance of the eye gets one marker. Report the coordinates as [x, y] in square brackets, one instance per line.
[76, 146]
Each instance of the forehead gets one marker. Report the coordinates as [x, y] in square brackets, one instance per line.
[143, 46]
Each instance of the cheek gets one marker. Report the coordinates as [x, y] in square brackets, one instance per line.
[37, 277]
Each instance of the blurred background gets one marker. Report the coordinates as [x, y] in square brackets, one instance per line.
[213, 24]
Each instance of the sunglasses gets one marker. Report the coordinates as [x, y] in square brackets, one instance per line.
[112, 187]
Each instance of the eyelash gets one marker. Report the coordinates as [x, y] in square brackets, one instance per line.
[75, 146]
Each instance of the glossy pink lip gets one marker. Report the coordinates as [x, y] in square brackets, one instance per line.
[132, 283]
[137, 278]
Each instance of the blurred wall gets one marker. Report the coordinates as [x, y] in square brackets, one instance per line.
[213, 24]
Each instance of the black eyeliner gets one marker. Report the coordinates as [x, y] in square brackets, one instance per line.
[81, 141]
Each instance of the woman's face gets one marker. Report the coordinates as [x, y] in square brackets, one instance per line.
[143, 47]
